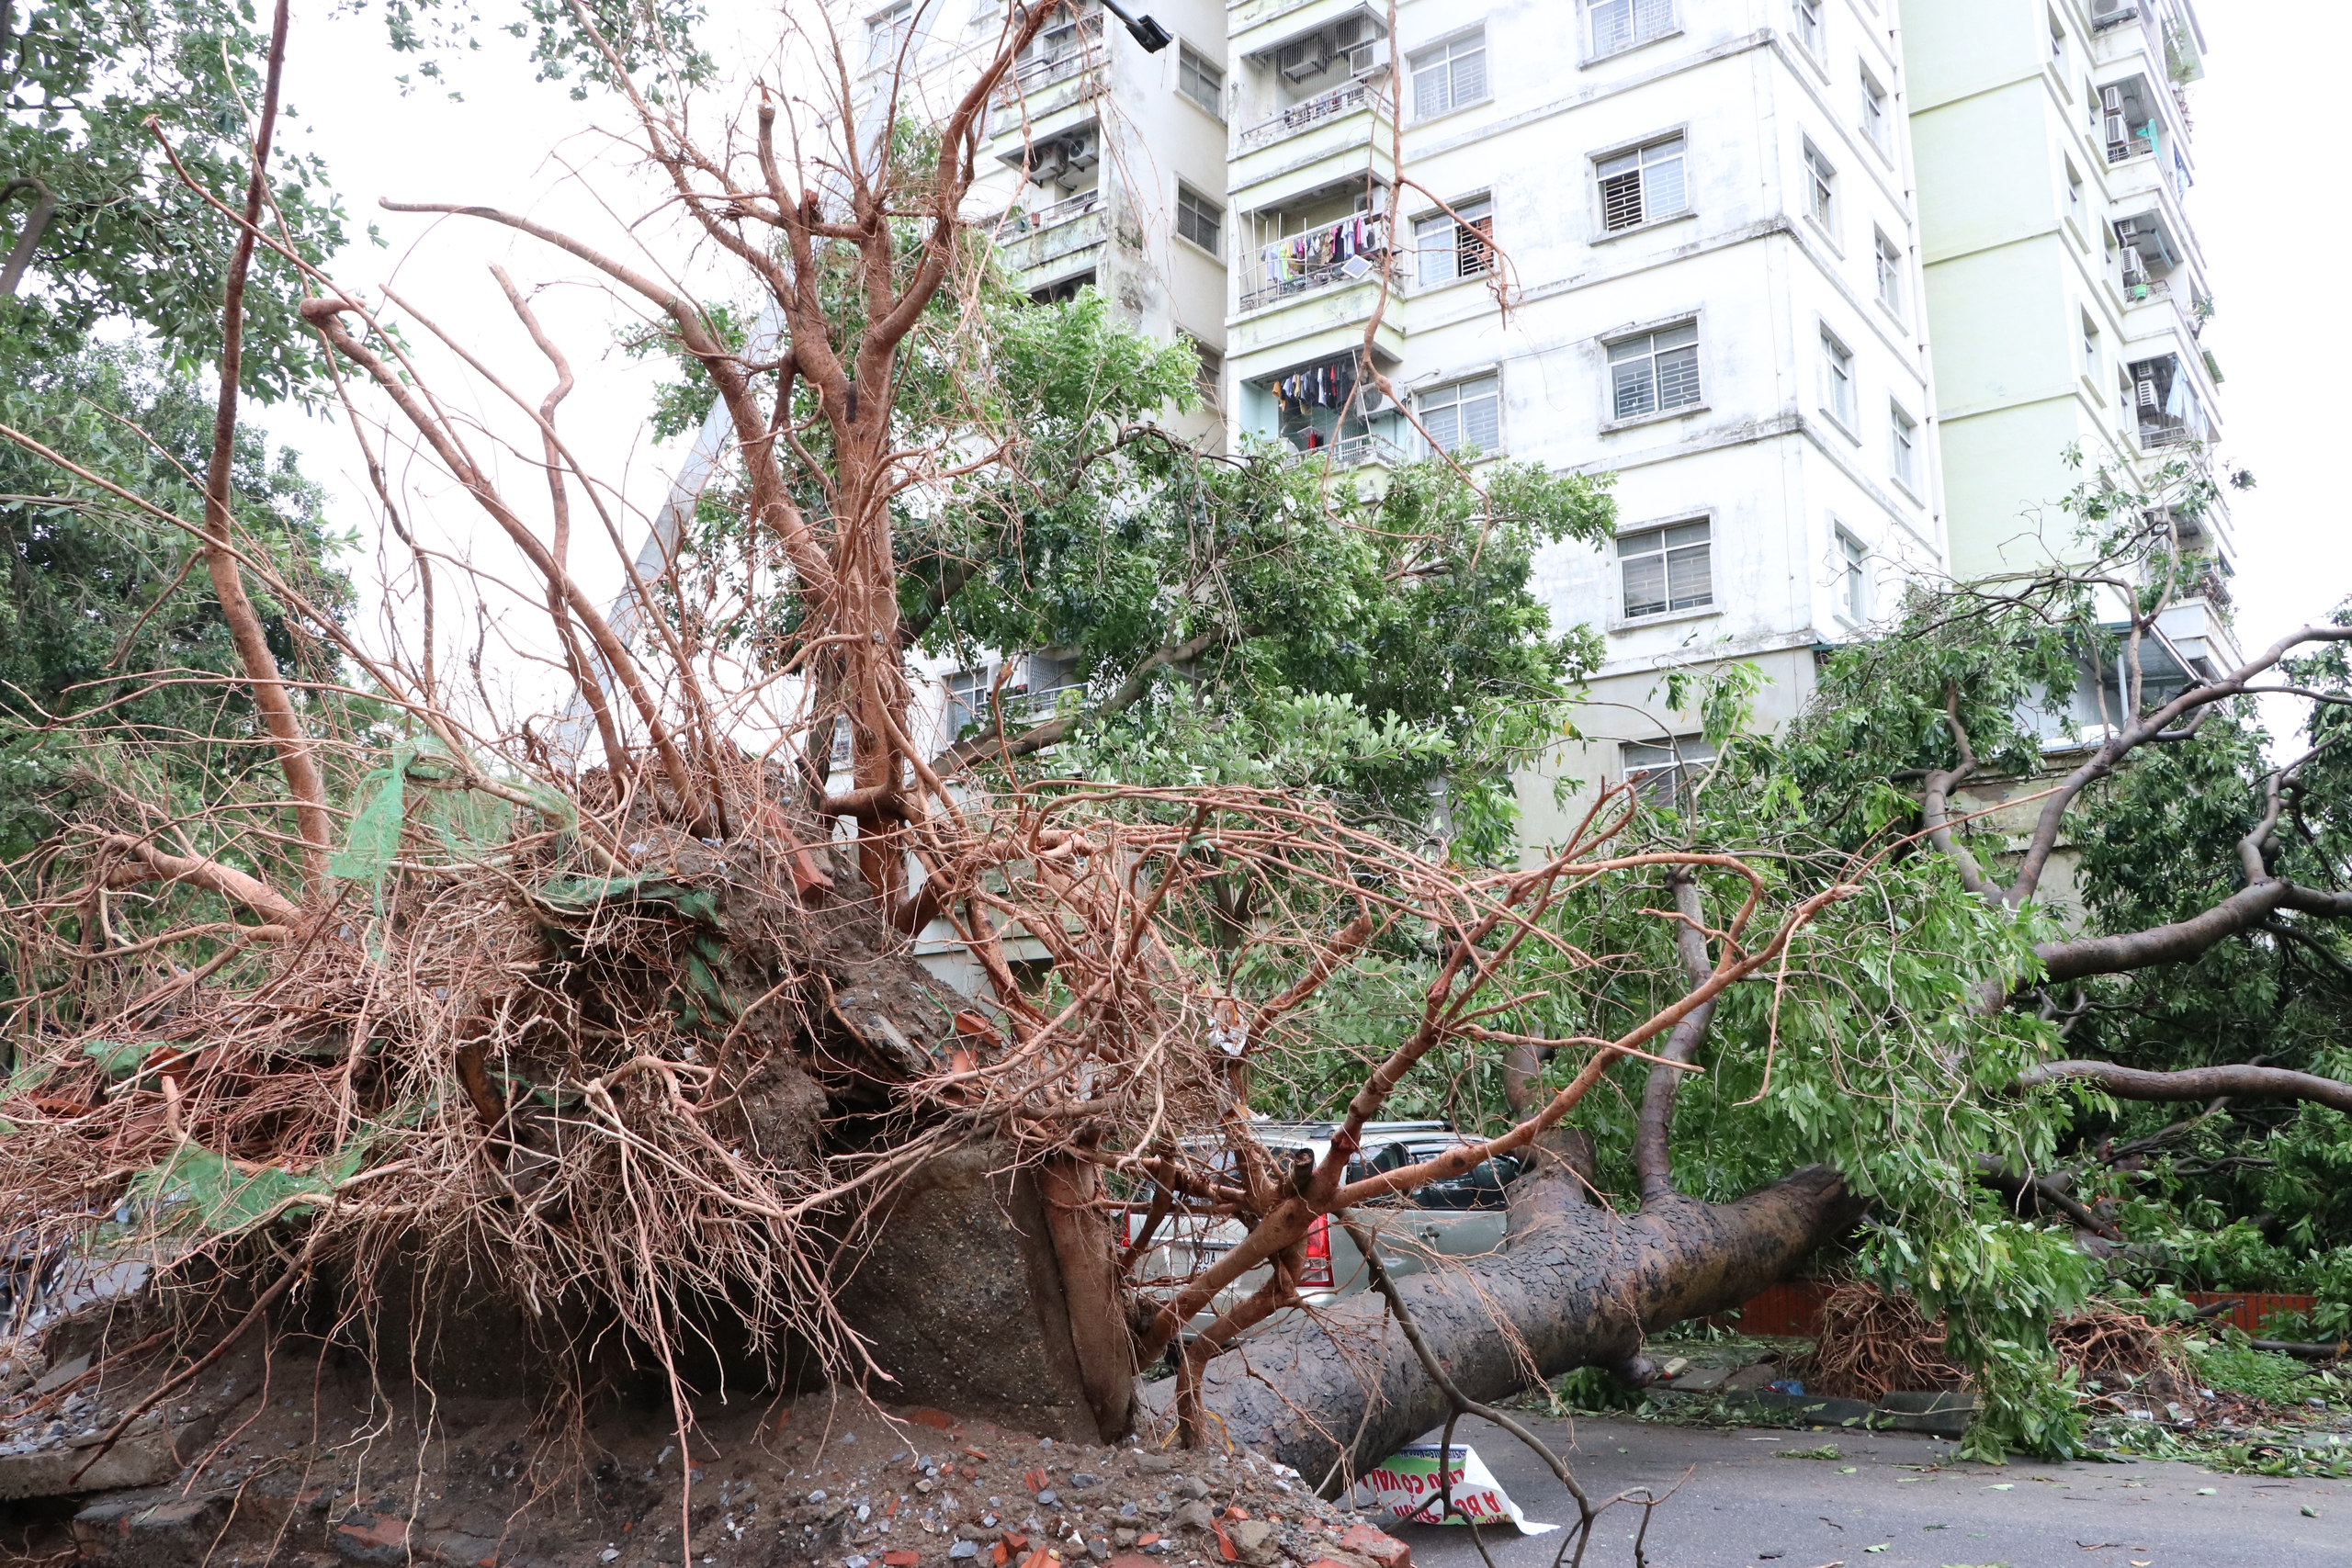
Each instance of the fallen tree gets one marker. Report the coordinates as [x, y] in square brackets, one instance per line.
[619, 1008]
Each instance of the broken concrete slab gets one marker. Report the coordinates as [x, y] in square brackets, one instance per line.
[141, 1459]
[147, 1532]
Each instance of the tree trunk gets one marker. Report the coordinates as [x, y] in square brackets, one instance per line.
[1574, 1285]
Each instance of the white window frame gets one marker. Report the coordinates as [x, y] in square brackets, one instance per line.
[1812, 29]
[1659, 153]
[1200, 65]
[1878, 114]
[1648, 353]
[1439, 248]
[1853, 576]
[1820, 190]
[1902, 447]
[1663, 774]
[2093, 360]
[2076, 206]
[1214, 244]
[1839, 394]
[1888, 260]
[1457, 397]
[1646, 21]
[1445, 56]
[886, 32]
[1670, 543]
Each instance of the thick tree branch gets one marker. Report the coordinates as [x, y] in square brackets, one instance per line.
[1653, 1133]
[2194, 1083]
[148, 863]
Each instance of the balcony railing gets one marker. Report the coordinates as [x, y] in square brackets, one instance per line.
[1015, 225]
[1035, 75]
[1269, 290]
[1368, 89]
[2137, 144]
[1353, 452]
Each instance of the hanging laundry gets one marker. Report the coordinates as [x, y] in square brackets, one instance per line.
[1327, 246]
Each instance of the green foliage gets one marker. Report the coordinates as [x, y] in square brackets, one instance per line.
[130, 244]
[114, 657]
[2228, 1362]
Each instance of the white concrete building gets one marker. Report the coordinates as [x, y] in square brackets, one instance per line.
[1700, 214]
[2066, 290]
[1106, 159]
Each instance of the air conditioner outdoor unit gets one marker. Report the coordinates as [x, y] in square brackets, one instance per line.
[2111, 100]
[1048, 162]
[2118, 133]
[1307, 57]
[2103, 9]
[1080, 151]
[1365, 57]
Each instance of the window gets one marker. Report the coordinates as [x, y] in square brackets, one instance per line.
[1466, 414]
[1451, 76]
[1200, 81]
[2074, 194]
[1620, 24]
[1667, 569]
[1853, 579]
[1447, 248]
[1654, 373]
[1875, 125]
[2057, 43]
[1211, 375]
[1837, 380]
[885, 30]
[1820, 188]
[1903, 447]
[1643, 185]
[1199, 219]
[1662, 771]
[1890, 274]
[1810, 30]
[2090, 349]
[968, 693]
[1064, 291]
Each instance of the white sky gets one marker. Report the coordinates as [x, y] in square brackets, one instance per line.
[2261, 215]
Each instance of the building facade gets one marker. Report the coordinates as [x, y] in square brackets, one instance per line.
[1700, 215]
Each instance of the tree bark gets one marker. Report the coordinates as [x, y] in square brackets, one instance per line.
[1574, 1285]
[2196, 1083]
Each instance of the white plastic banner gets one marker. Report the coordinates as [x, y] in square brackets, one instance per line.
[1407, 1485]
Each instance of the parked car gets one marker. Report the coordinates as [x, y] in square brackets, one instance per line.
[1459, 1218]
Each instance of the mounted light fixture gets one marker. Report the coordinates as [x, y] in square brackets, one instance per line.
[1143, 29]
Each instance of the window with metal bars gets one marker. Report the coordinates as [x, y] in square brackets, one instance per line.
[1200, 81]
[1820, 187]
[1465, 415]
[1643, 186]
[1456, 245]
[1449, 75]
[1666, 569]
[1199, 219]
[1654, 373]
[1619, 25]
[1665, 772]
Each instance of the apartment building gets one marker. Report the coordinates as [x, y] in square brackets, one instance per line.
[1103, 163]
[1700, 213]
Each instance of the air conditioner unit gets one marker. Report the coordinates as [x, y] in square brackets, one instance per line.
[1307, 57]
[1048, 162]
[2148, 399]
[1080, 150]
[1362, 59]
[2102, 10]
[2118, 131]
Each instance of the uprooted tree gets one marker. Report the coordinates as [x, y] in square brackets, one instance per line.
[621, 1013]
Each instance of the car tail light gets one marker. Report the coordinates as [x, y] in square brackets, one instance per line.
[1318, 1253]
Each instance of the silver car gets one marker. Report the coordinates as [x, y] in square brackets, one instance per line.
[1443, 1219]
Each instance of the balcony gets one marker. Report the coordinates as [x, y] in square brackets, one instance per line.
[1255, 29]
[1334, 137]
[1030, 101]
[1348, 251]
[1051, 233]
[1360, 451]
[2165, 403]
[1314, 324]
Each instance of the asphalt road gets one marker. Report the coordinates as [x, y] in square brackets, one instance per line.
[1735, 1505]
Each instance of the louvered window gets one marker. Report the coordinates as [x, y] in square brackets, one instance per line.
[1620, 24]
[1654, 373]
[1451, 76]
[1449, 248]
[1666, 569]
[1467, 414]
[1200, 81]
[1199, 219]
[1643, 186]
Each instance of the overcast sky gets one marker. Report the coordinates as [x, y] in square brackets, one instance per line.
[2279, 333]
